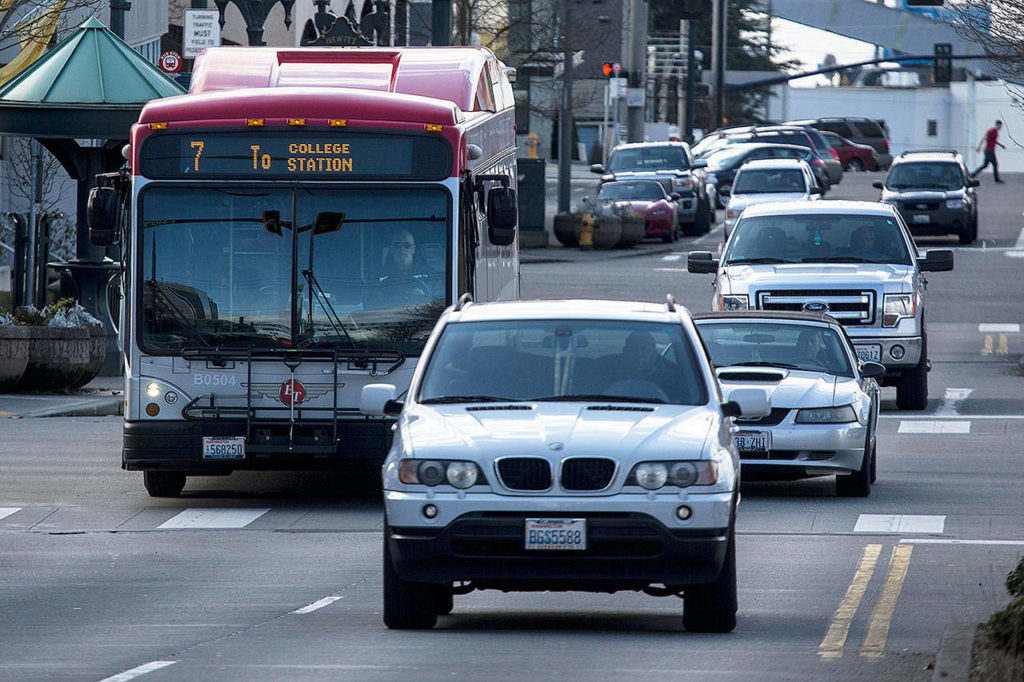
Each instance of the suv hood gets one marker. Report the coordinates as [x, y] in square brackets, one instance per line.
[823, 275]
[628, 431]
[911, 194]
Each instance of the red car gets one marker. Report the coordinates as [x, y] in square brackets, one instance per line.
[853, 156]
[649, 199]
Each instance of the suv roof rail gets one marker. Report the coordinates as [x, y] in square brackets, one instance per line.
[954, 152]
[463, 301]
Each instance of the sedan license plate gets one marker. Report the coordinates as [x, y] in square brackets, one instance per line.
[215, 447]
[556, 534]
[753, 441]
[869, 353]
[921, 218]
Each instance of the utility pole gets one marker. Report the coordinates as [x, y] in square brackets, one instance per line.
[691, 74]
[440, 22]
[719, 18]
[117, 10]
[564, 112]
[637, 67]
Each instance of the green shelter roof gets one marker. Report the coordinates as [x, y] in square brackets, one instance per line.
[91, 85]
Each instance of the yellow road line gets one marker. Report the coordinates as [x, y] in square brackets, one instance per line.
[878, 630]
[987, 349]
[1003, 349]
[832, 645]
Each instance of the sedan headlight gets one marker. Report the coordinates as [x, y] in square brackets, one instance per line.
[896, 307]
[733, 302]
[432, 473]
[826, 415]
[955, 203]
[682, 474]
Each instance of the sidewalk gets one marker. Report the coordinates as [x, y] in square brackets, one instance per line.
[100, 397]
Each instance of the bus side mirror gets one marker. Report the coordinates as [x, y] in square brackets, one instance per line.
[101, 215]
[502, 215]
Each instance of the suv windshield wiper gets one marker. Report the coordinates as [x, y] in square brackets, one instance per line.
[442, 399]
[759, 259]
[576, 397]
[325, 305]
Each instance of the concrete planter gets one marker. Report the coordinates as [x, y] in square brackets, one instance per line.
[567, 229]
[607, 233]
[633, 232]
[57, 358]
[13, 355]
[97, 354]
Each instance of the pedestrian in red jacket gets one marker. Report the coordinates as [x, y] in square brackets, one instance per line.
[989, 142]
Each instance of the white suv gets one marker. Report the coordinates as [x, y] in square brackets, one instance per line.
[562, 445]
[854, 260]
[766, 180]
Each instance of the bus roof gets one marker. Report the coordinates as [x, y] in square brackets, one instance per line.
[469, 77]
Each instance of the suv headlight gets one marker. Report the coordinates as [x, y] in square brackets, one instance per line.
[432, 472]
[683, 474]
[956, 203]
[826, 415]
[733, 302]
[896, 307]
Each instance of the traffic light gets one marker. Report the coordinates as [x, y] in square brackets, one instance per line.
[611, 69]
[942, 69]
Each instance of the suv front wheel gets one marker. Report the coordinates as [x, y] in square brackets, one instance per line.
[712, 607]
[912, 389]
[407, 605]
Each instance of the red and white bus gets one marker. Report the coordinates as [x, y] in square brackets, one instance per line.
[290, 231]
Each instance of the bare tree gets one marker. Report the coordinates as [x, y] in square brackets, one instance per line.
[996, 27]
[25, 20]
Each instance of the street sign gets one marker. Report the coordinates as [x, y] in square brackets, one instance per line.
[617, 88]
[170, 62]
[616, 67]
[635, 97]
[201, 30]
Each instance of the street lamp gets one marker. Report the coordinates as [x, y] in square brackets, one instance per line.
[255, 12]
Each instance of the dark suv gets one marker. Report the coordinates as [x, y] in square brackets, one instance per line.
[934, 192]
[856, 129]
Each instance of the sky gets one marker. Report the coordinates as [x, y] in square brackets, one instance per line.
[809, 45]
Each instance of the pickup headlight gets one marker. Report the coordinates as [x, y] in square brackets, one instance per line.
[732, 213]
[432, 472]
[655, 475]
[733, 302]
[955, 203]
[682, 183]
[896, 307]
[826, 415]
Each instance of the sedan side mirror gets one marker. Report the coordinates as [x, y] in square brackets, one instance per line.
[937, 260]
[872, 370]
[378, 400]
[747, 402]
[815, 190]
[701, 261]
[877, 184]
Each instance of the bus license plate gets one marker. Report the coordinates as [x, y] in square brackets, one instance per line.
[753, 441]
[215, 447]
[556, 534]
[869, 353]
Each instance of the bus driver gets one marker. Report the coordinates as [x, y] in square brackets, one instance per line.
[402, 265]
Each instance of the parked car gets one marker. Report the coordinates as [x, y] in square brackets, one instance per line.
[798, 135]
[767, 180]
[649, 199]
[673, 165]
[824, 400]
[725, 161]
[857, 129]
[567, 445]
[853, 156]
[855, 260]
[935, 193]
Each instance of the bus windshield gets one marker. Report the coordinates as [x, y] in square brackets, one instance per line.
[247, 267]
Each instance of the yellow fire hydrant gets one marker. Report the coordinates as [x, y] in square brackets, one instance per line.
[531, 145]
[586, 232]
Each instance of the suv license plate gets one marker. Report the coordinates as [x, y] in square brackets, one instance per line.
[753, 441]
[223, 448]
[921, 218]
[556, 534]
[869, 353]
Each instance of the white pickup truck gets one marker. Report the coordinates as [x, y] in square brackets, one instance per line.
[854, 260]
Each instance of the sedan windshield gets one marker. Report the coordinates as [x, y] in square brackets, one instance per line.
[251, 267]
[819, 238]
[786, 345]
[932, 175]
[769, 181]
[563, 360]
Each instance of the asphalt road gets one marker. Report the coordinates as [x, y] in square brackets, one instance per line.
[277, 576]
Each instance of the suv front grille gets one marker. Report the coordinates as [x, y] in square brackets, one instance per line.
[524, 473]
[587, 473]
[849, 306]
[911, 205]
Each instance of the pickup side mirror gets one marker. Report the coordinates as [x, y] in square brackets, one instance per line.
[700, 163]
[815, 189]
[597, 168]
[725, 190]
[872, 370]
[877, 184]
[701, 261]
[936, 260]
[502, 215]
[378, 400]
[747, 402]
[101, 215]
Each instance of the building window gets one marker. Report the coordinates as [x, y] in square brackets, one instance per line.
[150, 51]
[933, 127]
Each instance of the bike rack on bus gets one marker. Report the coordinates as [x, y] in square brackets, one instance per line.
[259, 430]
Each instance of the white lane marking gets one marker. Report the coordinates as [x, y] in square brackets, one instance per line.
[996, 328]
[673, 256]
[138, 671]
[1020, 240]
[935, 427]
[953, 401]
[319, 604]
[1001, 417]
[670, 270]
[7, 511]
[213, 518]
[954, 541]
[1013, 254]
[899, 523]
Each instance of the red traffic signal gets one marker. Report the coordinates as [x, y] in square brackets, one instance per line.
[611, 69]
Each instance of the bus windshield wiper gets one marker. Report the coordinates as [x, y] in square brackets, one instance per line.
[159, 292]
[443, 399]
[325, 305]
[757, 260]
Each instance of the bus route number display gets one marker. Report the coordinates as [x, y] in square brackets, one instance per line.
[290, 155]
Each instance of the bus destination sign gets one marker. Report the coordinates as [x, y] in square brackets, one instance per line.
[322, 155]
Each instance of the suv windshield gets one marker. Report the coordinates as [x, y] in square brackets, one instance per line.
[818, 238]
[641, 159]
[940, 175]
[768, 181]
[563, 360]
[788, 345]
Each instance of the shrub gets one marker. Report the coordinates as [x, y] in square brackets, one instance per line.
[1015, 580]
[67, 312]
[1007, 628]
[29, 316]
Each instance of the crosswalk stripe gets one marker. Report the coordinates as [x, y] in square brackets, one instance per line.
[7, 511]
[934, 427]
[900, 523]
[673, 256]
[998, 328]
[138, 671]
[195, 518]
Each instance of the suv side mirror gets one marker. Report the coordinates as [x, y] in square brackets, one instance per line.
[937, 260]
[872, 370]
[877, 184]
[971, 182]
[701, 261]
[725, 190]
[502, 215]
[101, 215]
[597, 168]
[378, 400]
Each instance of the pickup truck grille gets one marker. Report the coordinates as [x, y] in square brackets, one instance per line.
[849, 306]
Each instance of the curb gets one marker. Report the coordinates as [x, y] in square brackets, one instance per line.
[953, 659]
[85, 407]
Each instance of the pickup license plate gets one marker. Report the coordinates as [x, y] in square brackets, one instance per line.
[869, 353]
[753, 441]
[568, 534]
[921, 218]
[215, 447]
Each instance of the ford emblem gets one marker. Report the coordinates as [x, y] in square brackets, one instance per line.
[815, 307]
